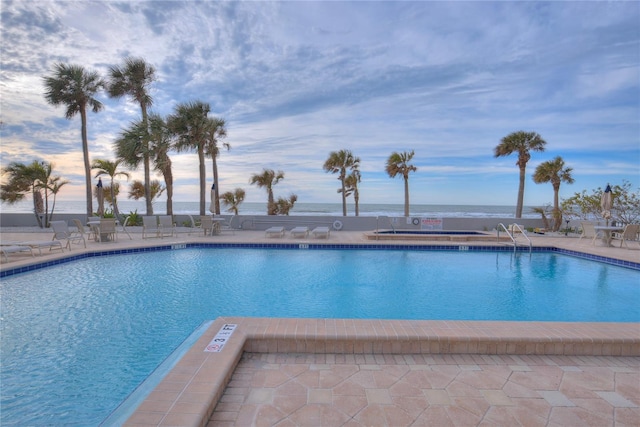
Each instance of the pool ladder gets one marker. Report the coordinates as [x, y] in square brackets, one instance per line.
[511, 232]
[381, 217]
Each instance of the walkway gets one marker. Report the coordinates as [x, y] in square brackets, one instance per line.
[430, 390]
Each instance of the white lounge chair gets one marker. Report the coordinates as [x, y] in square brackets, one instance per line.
[81, 228]
[61, 232]
[193, 226]
[107, 229]
[629, 234]
[124, 227]
[166, 226]
[589, 232]
[207, 225]
[150, 226]
[12, 249]
[321, 232]
[51, 244]
[274, 231]
[228, 225]
[299, 232]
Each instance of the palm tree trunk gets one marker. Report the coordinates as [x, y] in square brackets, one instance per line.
[168, 180]
[557, 215]
[87, 163]
[344, 196]
[147, 180]
[53, 206]
[203, 179]
[406, 196]
[46, 208]
[147, 162]
[116, 211]
[270, 202]
[37, 205]
[520, 194]
[356, 199]
[215, 183]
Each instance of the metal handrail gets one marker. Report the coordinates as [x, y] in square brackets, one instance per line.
[512, 236]
[378, 218]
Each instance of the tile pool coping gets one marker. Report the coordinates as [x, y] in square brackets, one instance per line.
[188, 395]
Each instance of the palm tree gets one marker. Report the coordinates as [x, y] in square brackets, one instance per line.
[75, 87]
[543, 214]
[189, 125]
[129, 148]
[339, 162]
[522, 143]
[283, 206]
[160, 139]
[137, 189]
[108, 190]
[133, 79]
[267, 179]
[50, 185]
[555, 172]
[233, 199]
[53, 186]
[398, 164]
[215, 131]
[35, 179]
[110, 168]
[351, 186]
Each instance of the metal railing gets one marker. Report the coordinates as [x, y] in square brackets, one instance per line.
[513, 231]
[380, 217]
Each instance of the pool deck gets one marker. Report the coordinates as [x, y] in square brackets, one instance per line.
[287, 372]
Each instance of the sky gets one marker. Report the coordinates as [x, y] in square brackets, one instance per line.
[297, 80]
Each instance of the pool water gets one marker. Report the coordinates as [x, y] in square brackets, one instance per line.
[79, 337]
[435, 232]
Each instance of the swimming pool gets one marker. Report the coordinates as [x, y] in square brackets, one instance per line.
[73, 349]
[436, 232]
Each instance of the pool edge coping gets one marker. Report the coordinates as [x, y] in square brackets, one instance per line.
[199, 378]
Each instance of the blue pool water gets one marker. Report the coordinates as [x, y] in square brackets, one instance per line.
[79, 337]
[435, 232]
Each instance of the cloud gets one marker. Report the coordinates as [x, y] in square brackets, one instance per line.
[296, 80]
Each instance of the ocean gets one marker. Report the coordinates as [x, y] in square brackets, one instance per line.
[329, 209]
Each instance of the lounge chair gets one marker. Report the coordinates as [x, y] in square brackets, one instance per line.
[61, 232]
[93, 222]
[299, 232]
[150, 226]
[227, 224]
[274, 231]
[12, 249]
[107, 229]
[166, 225]
[206, 224]
[124, 227]
[515, 228]
[589, 232]
[321, 232]
[629, 234]
[193, 226]
[81, 229]
[51, 244]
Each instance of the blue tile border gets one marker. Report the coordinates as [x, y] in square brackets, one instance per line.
[319, 246]
[606, 260]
